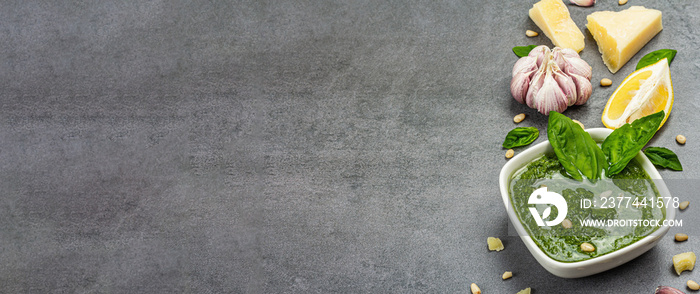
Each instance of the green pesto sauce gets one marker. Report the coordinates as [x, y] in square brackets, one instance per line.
[563, 244]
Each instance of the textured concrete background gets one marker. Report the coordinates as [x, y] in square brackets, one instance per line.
[285, 146]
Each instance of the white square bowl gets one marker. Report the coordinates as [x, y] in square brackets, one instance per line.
[597, 264]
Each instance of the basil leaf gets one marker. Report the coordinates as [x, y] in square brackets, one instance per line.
[655, 56]
[624, 143]
[520, 137]
[575, 148]
[663, 157]
[522, 51]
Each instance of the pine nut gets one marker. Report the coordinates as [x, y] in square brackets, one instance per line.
[692, 285]
[507, 275]
[681, 237]
[622, 2]
[684, 205]
[587, 247]
[680, 139]
[531, 33]
[510, 153]
[518, 118]
[567, 224]
[475, 289]
[579, 123]
[605, 82]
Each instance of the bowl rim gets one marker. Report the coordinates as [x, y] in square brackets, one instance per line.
[598, 134]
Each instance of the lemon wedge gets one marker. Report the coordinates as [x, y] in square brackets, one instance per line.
[644, 92]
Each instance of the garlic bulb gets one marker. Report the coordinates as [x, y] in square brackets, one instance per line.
[551, 80]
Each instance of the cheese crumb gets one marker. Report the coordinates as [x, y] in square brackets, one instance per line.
[684, 262]
[495, 244]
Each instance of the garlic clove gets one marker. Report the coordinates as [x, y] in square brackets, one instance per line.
[584, 88]
[584, 3]
[566, 84]
[519, 86]
[525, 64]
[550, 97]
[571, 63]
[579, 67]
[559, 58]
[540, 52]
[667, 290]
[535, 84]
[568, 52]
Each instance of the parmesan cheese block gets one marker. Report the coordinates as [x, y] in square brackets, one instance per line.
[553, 18]
[620, 35]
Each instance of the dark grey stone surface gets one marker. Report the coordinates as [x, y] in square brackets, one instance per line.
[285, 146]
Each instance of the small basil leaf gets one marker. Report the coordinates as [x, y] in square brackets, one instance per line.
[574, 147]
[520, 137]
[624, 143]
[522, 51]
[655, 56]
[663, 157]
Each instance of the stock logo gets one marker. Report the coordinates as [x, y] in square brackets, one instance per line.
[542, 196]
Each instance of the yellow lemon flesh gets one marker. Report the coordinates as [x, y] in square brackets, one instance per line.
[644, 92]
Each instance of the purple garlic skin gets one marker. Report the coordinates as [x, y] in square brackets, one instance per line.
[667, 290]
[569, 61]
[551, 80]
[584, 3]
[523, 70]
